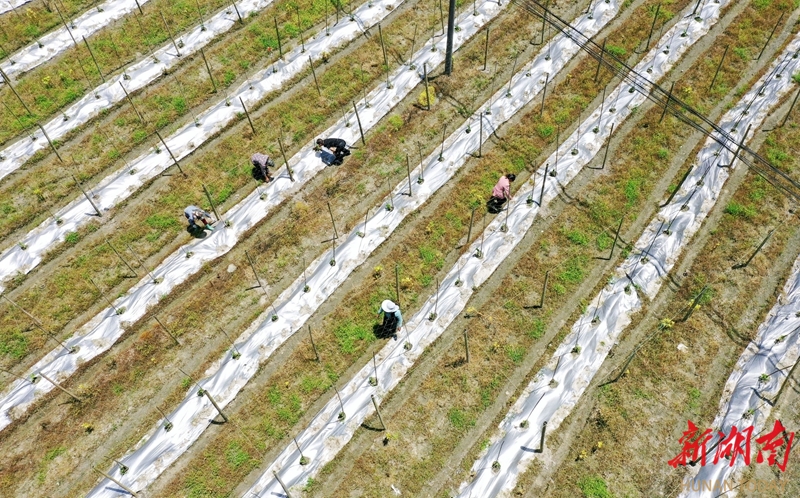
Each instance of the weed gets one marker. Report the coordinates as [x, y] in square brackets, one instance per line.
[459, 419]
[348, 333]
[537, 328]
[235, 455]
[575, 270]
[72, 238]
[577, 237]
[396, 122]
[618, 52]
[694, 399]
[594, 486]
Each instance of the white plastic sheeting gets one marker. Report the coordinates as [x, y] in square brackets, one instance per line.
[558, 386]
[59, 40]
[774, 352]
[7, 5]
[121, 184]
[157, 451]
[134, 78]
[326, 435]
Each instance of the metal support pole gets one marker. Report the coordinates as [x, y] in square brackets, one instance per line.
[241, 21]
[486, 50]
[480, 135]
[139, 6]
[427, 92]
[170, 153]
[672, 195]
[253, 267]
[88, 198]
[7, 81]
[541, 442]
[377, 410]
[608, 146]
[314, 73]
[770, 35]
[52, 146]
[360, 129]
[121, 258]
[313, 346]
[451, 22]
[719, 66]
[666, 104]
[246, 113]
[65, 26]
[96, 65]
[129, 490]
[544, 93]
[408, 171]
[208, 68]
[211, 399]
[466, 345]
[286, 161]
[786, 118]
[130, 101]
[471, 220]
[169, 32]
[278, 35]
[283, 486]
[333, 222]
[652, 28]
[544, 179]
[213, 207]
[742, 265]
[600, 60]
[741, 144]
[168, 333]
[300, 28]
[48, 379]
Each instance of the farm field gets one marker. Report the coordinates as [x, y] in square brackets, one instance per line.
[642, 276]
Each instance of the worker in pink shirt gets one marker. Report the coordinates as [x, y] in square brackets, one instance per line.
[500, 193]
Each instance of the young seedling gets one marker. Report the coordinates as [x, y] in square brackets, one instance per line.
[373, 381]
[303, 459]
[342, 415]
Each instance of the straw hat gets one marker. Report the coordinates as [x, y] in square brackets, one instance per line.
[389, 306]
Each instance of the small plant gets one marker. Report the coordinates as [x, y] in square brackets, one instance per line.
[123, 469]
[420, 180]
[496, 466]
[88, 428]
[597, 446]
[132, 171]
[582, 455]
[595, 320]
[121, 310]
[748, 413]
[763, 378]
[274, 318]
[389, 206]
[228, 223]
[23, 246]
[432, 316]
[236, 355]
[478, 254]
[342, 416]
[665, 324]
[377, 272]
[553, 383]
[576, 350]
[304, 460]
[201, 392]
[524, 424]
[189, 254]
[306, 288]
[780, 339]
[332, 262]
[459, 283]
[360, 234]
[407, 346]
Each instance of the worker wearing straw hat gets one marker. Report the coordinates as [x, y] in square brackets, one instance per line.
[392, 319]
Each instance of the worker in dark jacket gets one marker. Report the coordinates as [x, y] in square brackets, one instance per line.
[262, 163]
[337, 146]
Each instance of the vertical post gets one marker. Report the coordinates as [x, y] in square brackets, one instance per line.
[129, 490]
[741, 144]
[719, 66]
[300, 28]
[278, 35]
[486, 49]
[7, 81]
[377, 410]
[139, 6]
[200, 15]
[313, 346]
[96, 65]
[208, 196]
[121, 258]
[330, 211]
[314, 73]
[65, 26]
[544, 180]
[427, 92]
[469, 231]
[88, 198]
[253, 267]
[408, 171]
[544, 93]
[168, 425]
[286, 161]
[169, 32]
[480, 135]
[770, 35]
[246, 113]
[652, 28]
[608, 146]
[168, 333]
[283, 486]
[541, 442]
[786, 118]
[672, 195]
[52, 146]
[666, 104]
[511, 77]
[211, 399]
[130, 101]
[48, 379]
[544, 288]
[241, 21]
[175, 161]
[466, 344]
[742, 265]
[451, 21]
[208, 68]
[616, 238]
[360, 129]
[155, 281]
[397, 283]
[342, 414]
[441, 151]
[600, 60]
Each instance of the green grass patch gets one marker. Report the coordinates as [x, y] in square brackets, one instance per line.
[739, 210]
[348, 333]
[594, 487]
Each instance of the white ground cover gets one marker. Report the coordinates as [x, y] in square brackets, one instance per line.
[7, 5]
[133, 78]
[747, 400]
[326, 435]
[118, 186]
[556, 389]
[59, 39]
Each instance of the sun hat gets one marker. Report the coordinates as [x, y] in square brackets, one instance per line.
[389, 306]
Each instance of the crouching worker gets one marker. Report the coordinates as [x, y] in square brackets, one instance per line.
[392, 319]
[194, 214]
[337, 146]
[500, 193]
[261, 165]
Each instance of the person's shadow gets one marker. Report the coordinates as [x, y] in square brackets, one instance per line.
[196, 232]
[258, 174]
[327, 157]
[382, 332]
